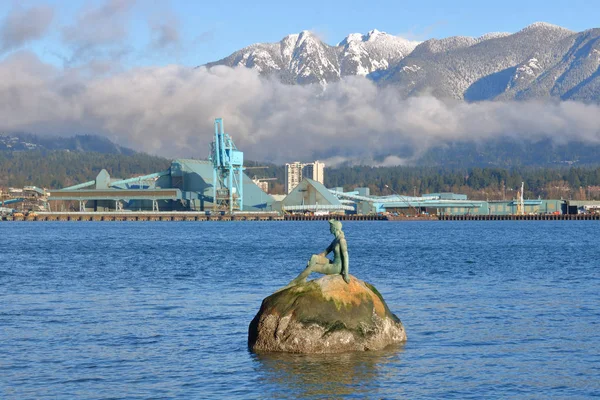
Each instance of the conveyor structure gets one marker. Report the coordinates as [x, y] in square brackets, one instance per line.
[381, 204]
[11, 201]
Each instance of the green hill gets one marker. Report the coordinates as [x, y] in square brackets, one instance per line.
[54, 169]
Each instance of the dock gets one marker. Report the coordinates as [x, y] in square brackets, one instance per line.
[344, 217]
[188, 216]
[144, 216]
[533, 217]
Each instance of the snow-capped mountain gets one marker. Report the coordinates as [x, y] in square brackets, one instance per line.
[303, 58]
[573, 73]
[541, 60]
[478, 69]
[375, 51]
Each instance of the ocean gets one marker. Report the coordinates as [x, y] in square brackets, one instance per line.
[138, 310]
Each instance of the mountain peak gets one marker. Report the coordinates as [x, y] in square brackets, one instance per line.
[353, 37]
[290, 37]
[436, 46]
[359, 37]
[542, 26]
[307, 37]
[492, 35]
[374, 33]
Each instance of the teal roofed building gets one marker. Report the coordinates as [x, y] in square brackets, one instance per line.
[195, 179]
[216, 184]
[313, 196]
[186, 186]
[444, 204]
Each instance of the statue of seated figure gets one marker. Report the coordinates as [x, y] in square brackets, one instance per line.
[321, 264]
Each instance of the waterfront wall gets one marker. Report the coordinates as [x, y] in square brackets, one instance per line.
[187, 216]
[533, 217]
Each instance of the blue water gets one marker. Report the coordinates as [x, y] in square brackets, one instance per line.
[161, 310]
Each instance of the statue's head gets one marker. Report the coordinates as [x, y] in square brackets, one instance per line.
[335, 225]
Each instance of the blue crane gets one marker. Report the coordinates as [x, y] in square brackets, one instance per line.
[228, 171]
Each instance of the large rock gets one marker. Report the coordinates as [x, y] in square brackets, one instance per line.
[325, 315]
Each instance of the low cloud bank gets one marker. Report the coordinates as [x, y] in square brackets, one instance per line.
[170, 111]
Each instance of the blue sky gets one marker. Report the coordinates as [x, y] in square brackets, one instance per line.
[203, 31]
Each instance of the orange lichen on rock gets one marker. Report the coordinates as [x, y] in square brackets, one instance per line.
[353, 293]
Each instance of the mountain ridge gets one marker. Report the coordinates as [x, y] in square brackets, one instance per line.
[541, 60]
[304, 59]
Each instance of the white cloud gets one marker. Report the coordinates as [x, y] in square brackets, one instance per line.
[99, 32]
[170, 111]
[22, 26]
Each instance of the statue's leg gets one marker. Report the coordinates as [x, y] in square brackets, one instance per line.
[317, 263]
[327, 268]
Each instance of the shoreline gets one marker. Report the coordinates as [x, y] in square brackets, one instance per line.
[165, 216]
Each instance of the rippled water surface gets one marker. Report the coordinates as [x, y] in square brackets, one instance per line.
[161, 310]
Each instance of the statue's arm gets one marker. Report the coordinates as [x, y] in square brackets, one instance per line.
[329, 248]
[345, 260]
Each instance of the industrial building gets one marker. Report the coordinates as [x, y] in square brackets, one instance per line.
[434, 203]
[216, 184]
[310, 196]
[448, 204]
[27, 198]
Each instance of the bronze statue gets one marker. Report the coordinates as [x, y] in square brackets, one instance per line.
[320, 263]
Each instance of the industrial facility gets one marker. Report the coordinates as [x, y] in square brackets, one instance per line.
[219, 185]
[216, 184]
[27, 198]
[312, 196]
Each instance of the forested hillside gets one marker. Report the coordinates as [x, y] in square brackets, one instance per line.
[477, 183]
[58, 168]
[512, 153]
[21, 141]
